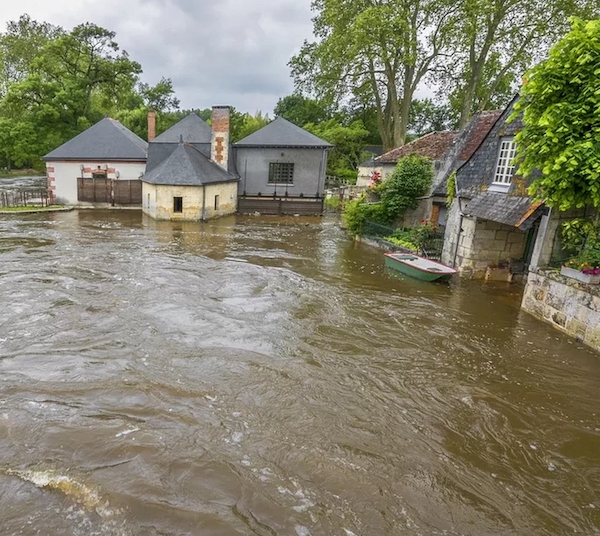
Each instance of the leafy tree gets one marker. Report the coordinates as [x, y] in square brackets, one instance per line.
[348, 140]
[20, 46]
[560, 103]
[427, 116]
[54, 84]
[497, 40]
[301, 110]
[375, 51]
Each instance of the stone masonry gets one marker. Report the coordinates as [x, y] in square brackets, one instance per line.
[565, 303]
[481, 244]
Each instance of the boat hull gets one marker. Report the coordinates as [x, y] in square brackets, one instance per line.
[416, 272]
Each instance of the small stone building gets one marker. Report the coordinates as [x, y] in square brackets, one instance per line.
[101, 166]
[493, 222]
[182, 182]
[282, 170]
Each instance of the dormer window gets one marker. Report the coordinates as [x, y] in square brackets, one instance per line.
[505, 168]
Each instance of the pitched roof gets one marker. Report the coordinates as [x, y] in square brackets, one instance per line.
[513, 210]
[192, 128]
[186, 166]
[432, 145]
[282, 133]
[106, 140]
[466, 143]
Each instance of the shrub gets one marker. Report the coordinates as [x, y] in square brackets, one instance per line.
[357, 212]
[410, 180]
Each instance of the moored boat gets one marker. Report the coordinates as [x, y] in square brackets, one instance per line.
[418, 267]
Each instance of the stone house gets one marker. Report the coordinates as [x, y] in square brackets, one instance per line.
[182, 181]
[492, 225]
[282, 170]
[99, 167]
[435, 146]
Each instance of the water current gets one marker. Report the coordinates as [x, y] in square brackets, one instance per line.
[265, 376]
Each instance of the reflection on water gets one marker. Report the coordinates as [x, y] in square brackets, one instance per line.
[266, 376]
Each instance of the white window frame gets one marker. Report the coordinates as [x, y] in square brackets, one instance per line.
[505, 168]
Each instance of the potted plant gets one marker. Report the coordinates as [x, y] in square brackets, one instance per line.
[585, 267]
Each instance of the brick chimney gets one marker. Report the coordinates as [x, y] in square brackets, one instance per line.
[219, 147]
[151, 125]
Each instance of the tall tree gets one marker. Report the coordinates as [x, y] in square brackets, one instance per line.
[496, 41]
[20, 45]
[301, 110]
[376, 50]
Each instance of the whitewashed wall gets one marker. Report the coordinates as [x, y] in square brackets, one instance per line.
[62, 176]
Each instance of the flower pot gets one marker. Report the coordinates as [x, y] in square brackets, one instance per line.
[589, 279]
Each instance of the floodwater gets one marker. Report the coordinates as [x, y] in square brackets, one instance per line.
[264, 376]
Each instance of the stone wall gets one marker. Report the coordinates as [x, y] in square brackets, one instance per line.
[565, 303]
[481, 243]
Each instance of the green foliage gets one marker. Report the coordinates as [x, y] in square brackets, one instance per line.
[348, 140]
[403, 243]
[495, 41]
[451, 189]
[376, 53]
[410, 180]
[577, 232]
[357, 212]
[413, 239]
[244, 124]
[428, 116]
[301, 110]
[333, 202]
[560, 103]
[54, 84]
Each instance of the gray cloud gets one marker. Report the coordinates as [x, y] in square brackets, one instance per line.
[226, 52]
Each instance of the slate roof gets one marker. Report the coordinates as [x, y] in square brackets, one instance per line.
[466, 143]
[106, 140]
[157, 152]
[192, 128]
[432, 145]
[474, 177]
[481, 167]
[282, 133]
[186, 166]
[511, 210]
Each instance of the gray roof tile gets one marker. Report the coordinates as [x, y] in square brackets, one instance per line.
[512, 210]
[106, 140]
[282, 133]
[186, 166]
[192, 128]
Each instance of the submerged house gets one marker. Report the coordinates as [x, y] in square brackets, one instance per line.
[492, 225]
[282, 170]
[188, 173]
[101, 166]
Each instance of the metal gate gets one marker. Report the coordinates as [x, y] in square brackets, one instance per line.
[114, 192]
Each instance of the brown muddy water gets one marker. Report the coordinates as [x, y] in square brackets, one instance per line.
[265, 376]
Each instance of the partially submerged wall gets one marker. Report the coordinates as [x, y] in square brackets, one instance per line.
[565, 303]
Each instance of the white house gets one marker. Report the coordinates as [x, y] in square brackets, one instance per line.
[100, 166]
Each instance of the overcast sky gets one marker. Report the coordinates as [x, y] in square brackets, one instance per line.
[231, 52]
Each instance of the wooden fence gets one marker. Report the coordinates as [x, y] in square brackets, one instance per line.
[26, 197]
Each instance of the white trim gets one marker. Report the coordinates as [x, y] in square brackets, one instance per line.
[505, 168]
[500, 187]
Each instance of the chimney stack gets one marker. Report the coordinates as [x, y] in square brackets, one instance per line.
[219, 147]
[151, 125]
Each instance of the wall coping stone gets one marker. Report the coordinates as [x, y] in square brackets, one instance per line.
[555, 275]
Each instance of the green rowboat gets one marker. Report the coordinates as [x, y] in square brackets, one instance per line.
[418, 267]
